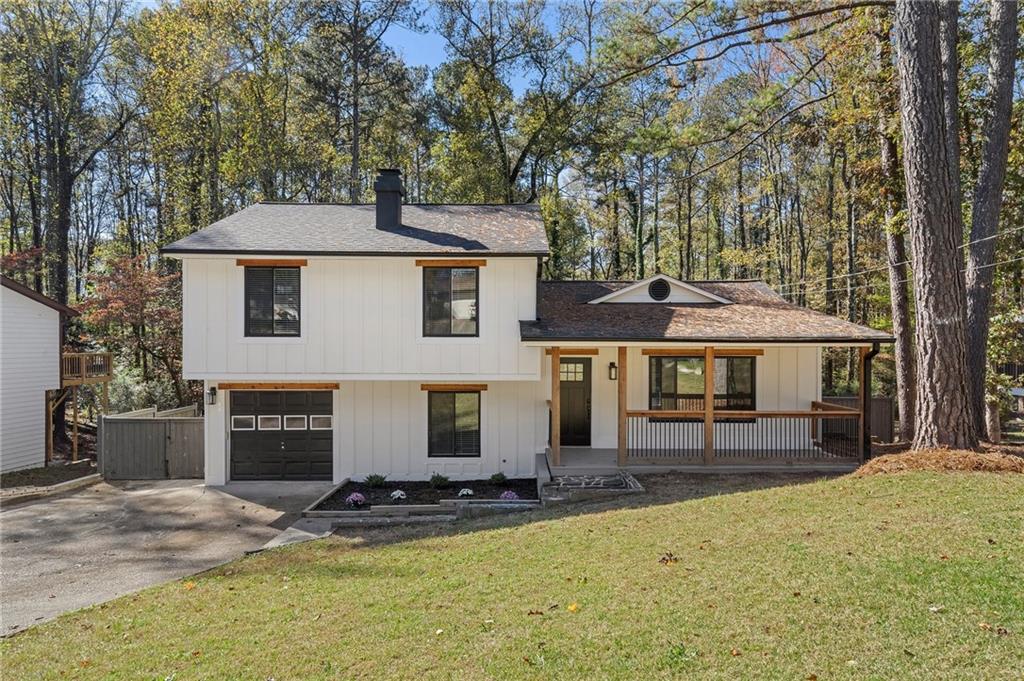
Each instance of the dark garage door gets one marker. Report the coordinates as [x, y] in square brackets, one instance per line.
[281, 435]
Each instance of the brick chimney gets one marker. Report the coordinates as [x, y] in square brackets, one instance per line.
[389, 198]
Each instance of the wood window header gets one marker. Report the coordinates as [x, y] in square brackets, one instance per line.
[568, 352]
[698, 352]
[278, 386]
[451, 263]
[453, 387]
[271, 262]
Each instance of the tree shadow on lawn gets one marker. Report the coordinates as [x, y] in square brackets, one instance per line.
[660, 489]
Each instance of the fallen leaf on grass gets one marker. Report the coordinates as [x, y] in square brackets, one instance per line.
[735, 652]
[984, 625]
[189, 586]
[84, 663]
[573, 607]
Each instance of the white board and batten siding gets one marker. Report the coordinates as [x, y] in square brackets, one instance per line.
[361, 325]
[29, 366]
[361, 319]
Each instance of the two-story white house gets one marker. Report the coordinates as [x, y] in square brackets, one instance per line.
[335, 341]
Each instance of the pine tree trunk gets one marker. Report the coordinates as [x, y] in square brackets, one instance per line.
[930, 169]
[988, 197]
[895, 244]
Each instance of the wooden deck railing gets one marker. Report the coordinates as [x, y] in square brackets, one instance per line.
[82, 368]
[826, 433]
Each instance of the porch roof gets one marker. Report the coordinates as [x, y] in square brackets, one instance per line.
[757, 314]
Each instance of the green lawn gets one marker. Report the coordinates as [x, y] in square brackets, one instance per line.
[911, 576]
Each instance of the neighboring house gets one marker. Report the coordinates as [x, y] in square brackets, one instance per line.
[341, 340]
[1018, 399]
[30, 364]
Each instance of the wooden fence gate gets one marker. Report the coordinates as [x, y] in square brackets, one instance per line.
[882, 416]
[151, 445]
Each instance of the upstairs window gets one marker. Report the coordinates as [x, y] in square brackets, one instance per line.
[677, 383]
[272, 301]
[450, 297]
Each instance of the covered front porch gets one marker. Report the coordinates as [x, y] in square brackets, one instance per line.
[645, 407]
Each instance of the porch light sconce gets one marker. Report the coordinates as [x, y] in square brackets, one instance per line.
[613, 372]
[211, 395]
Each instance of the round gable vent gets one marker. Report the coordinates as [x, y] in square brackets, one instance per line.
[659, 289]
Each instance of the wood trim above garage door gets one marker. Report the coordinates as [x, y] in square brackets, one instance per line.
[278, 386]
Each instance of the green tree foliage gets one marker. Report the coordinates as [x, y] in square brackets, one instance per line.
[704, 140]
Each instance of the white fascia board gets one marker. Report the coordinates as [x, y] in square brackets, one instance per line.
[712, 298]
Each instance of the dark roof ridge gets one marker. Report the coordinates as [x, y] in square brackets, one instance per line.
[341, 203]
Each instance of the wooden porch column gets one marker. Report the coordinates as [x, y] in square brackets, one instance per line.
[709, 405]
[623, 384]
[556, 407]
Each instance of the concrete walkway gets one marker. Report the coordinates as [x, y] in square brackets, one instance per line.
[64, 553]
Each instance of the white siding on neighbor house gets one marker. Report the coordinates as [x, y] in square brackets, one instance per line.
[29, 366]
[381, 427]
[361, 319]
[786, 378]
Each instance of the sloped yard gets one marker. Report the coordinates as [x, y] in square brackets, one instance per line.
[915, 575]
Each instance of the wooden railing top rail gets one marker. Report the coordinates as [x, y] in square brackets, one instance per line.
[828, 406]
[722, 413]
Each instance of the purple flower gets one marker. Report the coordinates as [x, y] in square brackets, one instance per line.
[355, 500]
[509, 495]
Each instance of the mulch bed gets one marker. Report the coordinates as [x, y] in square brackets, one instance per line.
[423, 493]
[46, 476]
[992, 459]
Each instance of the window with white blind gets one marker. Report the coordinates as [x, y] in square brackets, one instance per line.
[453, 424]
[272, 301]
[450, 301]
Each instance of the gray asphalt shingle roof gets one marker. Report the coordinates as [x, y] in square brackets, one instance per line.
[341, 229]
[756, 314]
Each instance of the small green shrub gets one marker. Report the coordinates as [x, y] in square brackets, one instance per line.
[375, 480]
[498, 478]
[438, 481]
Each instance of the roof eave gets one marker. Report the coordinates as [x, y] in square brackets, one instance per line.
[776, 340]
[177, 252]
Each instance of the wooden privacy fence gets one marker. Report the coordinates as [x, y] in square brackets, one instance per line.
[151, 445]
[882, 415]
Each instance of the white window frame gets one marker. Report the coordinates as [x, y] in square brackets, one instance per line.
[252, 418]
[321, 416]
[269, 416]
[294, 416]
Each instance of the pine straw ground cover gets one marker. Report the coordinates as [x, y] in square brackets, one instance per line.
[914, 576]
[992, 459]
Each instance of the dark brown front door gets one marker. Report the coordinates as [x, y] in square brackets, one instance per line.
[575, 381]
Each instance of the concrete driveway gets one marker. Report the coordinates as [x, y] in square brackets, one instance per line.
[65, 553]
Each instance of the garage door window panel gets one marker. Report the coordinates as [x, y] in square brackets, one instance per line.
[243, 423]
[270, 423]
[295, 423]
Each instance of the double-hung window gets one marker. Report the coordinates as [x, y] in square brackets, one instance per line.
[453, 423]
[677, 383]
[272, 301]
[450, 301]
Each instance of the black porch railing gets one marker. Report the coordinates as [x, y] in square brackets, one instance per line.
[744, 437]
